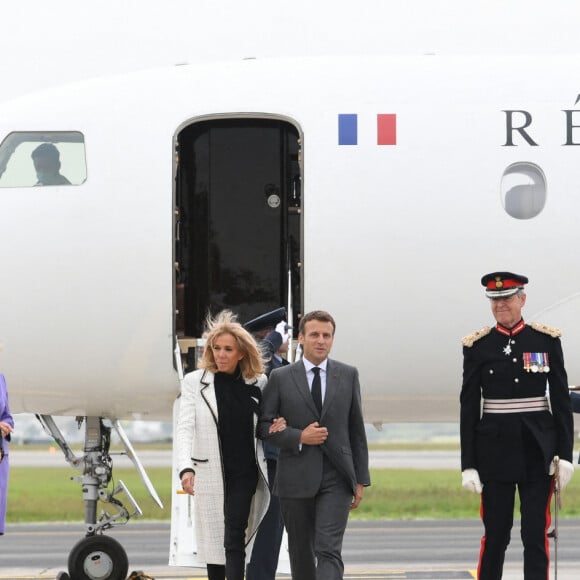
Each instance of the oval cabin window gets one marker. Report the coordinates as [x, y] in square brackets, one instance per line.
[523, 190]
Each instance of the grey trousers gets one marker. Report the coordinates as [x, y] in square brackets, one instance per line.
[316, 528]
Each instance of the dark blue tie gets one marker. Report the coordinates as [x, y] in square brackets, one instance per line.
[317, 389]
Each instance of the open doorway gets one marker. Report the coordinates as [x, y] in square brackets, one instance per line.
[238, 220]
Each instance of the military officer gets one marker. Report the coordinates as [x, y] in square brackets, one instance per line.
[511, 439]
[271, 330]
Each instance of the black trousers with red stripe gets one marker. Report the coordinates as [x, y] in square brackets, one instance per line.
[497, 514]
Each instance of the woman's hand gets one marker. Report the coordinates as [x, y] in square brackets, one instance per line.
[187, 482]
[5, 428]
[277, 425]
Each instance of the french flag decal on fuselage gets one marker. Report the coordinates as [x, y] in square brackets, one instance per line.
[386, 129]
[347, 129]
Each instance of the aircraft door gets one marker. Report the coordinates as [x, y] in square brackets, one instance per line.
[238, 210]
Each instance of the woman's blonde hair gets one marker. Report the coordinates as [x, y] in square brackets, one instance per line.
[252, 364]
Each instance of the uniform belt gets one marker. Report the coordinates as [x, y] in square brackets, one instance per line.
[526, 405]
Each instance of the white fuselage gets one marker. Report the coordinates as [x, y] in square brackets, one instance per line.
[395, 237]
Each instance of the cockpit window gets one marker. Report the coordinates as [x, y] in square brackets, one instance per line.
[40, 159]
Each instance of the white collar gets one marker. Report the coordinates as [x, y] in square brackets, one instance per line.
[309, 366]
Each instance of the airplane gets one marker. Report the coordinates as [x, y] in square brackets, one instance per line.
[379, 187]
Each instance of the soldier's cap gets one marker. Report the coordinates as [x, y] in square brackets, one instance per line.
[503, 284]
[268, 320]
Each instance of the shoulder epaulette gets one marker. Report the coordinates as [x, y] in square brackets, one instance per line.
[475, 336]
[551, 330]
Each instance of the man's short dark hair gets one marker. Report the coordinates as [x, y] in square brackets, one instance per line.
[47, 150]
[320, 315]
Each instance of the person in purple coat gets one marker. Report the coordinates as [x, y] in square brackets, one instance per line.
[6, 428]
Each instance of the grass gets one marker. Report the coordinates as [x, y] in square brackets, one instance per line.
[434, 494]
[48, 494]
[38, 494]
[415, 446]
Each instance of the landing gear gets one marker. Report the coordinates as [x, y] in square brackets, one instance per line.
[98, 558]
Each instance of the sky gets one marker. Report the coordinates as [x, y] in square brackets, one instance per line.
[47, 43]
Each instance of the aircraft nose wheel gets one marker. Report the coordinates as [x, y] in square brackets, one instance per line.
[98, 558]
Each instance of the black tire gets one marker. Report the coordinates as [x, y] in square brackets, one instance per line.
[98, 558]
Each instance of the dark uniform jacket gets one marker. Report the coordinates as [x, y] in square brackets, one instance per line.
[270, 345]
[502, 446]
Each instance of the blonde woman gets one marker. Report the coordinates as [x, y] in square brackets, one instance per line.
[219, 458]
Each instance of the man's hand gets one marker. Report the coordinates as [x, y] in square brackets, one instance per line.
[187, 482]
[357, 496]
[314, 435]
[470, 480]
[282, 330]
[565, 472]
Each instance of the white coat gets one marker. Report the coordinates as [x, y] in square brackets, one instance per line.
[198, 448]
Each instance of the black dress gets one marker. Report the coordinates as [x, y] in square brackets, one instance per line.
[238, 403]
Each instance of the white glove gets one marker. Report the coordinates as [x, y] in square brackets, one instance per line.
[470, 480]
[282, 330]
[566, 470]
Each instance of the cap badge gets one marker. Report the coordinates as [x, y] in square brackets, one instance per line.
[498, 282]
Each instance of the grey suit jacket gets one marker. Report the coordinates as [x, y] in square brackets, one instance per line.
[300, 467]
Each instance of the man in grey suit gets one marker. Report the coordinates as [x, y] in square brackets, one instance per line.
[323, 463]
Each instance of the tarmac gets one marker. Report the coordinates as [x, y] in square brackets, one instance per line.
[373, 550]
